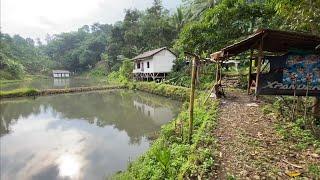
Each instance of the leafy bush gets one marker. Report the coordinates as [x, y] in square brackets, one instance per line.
[11, 69]
[98, 72]
[124, 73]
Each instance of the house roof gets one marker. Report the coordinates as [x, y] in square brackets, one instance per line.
[273, 41]
[151, 53]
[60, 71]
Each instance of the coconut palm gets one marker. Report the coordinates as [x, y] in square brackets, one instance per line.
[198, 7]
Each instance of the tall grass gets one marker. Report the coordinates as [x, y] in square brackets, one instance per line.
[19, 93]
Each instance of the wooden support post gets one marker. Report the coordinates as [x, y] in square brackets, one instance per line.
[260, 56]
[191, 104]
[197, 74]
[316, 108]
[250, 72]
[217, 71]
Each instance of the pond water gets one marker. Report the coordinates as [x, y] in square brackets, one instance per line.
[51, 83]
[78, 136]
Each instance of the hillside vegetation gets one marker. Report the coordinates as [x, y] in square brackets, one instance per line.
[199, 26]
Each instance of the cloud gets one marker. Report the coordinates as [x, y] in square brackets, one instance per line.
[36, 18]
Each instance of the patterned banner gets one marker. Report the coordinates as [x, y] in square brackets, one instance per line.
[291, 74]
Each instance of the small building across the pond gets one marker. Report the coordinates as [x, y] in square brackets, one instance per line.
[154, 64]
[60, 73]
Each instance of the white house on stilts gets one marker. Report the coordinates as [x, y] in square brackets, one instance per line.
[154, 64]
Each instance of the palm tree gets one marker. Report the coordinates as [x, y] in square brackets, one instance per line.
[178, 19]
[198, 7]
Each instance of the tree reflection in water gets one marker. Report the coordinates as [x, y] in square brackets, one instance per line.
[78, 136]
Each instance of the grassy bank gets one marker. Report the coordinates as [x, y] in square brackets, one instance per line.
[34, 92]
[19, 93]
[24, 78]
[174, 92]
[171, 156]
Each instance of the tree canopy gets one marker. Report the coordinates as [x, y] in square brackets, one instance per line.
[200, 26]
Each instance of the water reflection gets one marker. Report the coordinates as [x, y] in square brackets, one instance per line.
[61, 82]
[50, 83]
[79, 136]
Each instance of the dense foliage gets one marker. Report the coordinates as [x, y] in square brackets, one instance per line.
[18, 55]
[80, 50]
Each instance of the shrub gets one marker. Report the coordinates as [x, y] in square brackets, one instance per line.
[12, 67]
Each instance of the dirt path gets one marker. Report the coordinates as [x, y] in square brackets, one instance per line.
[250, 148]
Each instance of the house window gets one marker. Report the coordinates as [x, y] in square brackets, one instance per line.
[148, 64]
[138, 65]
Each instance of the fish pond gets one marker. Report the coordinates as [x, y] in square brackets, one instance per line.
[78, 136]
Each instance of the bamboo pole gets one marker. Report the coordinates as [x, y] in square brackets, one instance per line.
[316, 108]
[210, 92]
[191, 104]
[260, 56]
[217, 71]
[250, 72]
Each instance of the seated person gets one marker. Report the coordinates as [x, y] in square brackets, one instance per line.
[219, 90]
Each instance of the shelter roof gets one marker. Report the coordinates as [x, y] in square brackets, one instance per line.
[272, 41]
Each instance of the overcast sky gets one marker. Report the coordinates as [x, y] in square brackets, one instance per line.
[36, 18]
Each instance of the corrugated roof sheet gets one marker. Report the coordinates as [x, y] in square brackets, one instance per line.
[149, 53]
[60, 71]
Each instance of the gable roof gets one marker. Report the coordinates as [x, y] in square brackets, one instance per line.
[151, 53]
[60, 71]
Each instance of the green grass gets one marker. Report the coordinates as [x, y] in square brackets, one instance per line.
[314, 170]
[174, 92]
[19, 93]
[292, 130]
[171, 156]
[25, 78]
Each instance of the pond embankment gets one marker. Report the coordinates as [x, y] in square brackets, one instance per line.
[170, 91]
[35, 92]
[173, 92]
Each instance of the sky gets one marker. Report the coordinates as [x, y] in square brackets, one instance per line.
[36, 18]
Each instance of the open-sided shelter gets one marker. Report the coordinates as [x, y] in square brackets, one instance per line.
[292, 58]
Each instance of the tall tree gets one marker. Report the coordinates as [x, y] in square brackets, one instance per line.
[301, 15]
[226, 22]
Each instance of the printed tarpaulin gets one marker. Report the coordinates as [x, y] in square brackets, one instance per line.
[291, 74]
